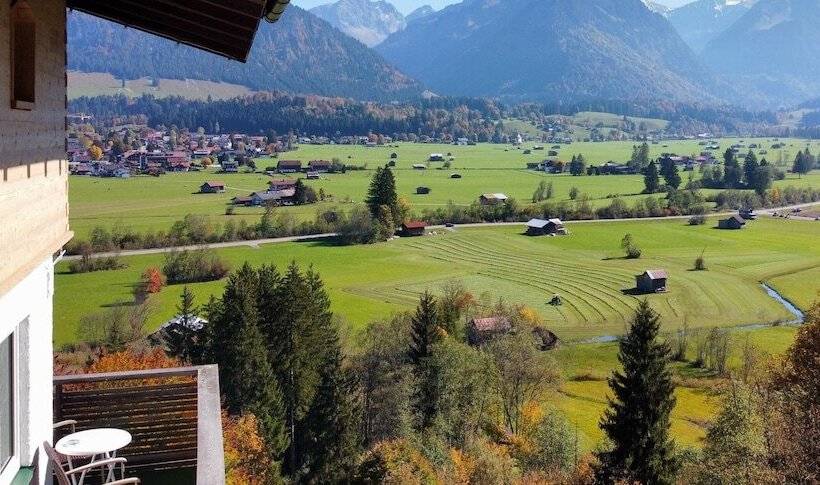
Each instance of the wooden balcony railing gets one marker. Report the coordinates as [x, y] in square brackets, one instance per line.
[173, 415]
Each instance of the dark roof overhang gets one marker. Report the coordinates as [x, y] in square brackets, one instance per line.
[226, 28]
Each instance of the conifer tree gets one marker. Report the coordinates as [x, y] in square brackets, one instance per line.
[637, 419]
[651, 180]
[330, 441]
[423, 334]
[731, 170]
[382, 192]
[181, 340]
[750, 170]
[423, 330]
[670, 173]
[238, 346]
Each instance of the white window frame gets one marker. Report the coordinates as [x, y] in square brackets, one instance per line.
[9, 471]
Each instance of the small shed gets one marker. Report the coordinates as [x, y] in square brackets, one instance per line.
[436, 157]
[482, 330]
[422, 190]
[747, 214]
[652, 281]
[492, 199]
[455, 175]
[212, 187]
[413, 228]
[542, 227]
[733, 222]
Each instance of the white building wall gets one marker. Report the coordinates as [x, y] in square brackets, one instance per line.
[28, 309]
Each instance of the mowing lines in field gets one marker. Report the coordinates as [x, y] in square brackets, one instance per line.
[579, 284]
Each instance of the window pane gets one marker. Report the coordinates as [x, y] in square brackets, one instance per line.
[6, 404]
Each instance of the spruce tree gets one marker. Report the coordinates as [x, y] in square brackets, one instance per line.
[382, 192]
[181, 340]
[731, 170]
[750, 170]
[637, 419]
[424, 328]
[295, 321]
[670, 173]
[237, 345]
[651, 180]
[423, 334]
[330, 441]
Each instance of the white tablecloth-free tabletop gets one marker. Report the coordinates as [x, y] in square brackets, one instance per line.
[101, 441]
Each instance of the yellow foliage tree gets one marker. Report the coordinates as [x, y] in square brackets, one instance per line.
[396, 462]
[95, 152]
[246, 457]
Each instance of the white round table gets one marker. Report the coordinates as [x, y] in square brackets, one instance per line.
[92, 443]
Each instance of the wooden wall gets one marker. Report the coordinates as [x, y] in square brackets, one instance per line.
[33, 170]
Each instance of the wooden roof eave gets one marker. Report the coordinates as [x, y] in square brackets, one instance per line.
[223, 28]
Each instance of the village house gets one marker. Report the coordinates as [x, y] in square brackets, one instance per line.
[413, 228]
[732, 222]
[482, 330]
[289, 166]
[543, 227]
[651, 281]
[320, 166]
[212, 187]
[35, 227]
[281, 184]
[492, 199]
[230, 166]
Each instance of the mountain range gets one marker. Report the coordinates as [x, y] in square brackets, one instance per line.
[772, 52]
[301, 54]
[761, 53]
[368, 21]
[549, 50]
[700, 22]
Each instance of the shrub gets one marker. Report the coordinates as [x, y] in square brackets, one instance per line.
[700, 264]
[193, 266]
[573, 193]
[153, 280]
[229, 210]
[697, 220]
[87, 264]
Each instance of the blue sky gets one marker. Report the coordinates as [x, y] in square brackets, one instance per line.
[407, 6]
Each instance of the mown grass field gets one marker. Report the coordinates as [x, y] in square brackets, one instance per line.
[147, 203]
[585, 268]
[371, 282]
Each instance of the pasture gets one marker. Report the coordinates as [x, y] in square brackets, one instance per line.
[585, 268]
[371, 282]
[147, 203]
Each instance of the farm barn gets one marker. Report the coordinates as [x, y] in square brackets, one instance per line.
[212, 187]
[482, 330]
[651, 281]
[733, 222]
[541, 227]
[413, 228]
[492, 199]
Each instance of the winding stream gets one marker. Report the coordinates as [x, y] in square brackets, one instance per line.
[799, 317]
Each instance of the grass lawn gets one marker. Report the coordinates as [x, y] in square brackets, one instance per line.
[148, 203]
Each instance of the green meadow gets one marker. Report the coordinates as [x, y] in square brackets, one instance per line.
[585, 268]
[366, 283]
[146, 203]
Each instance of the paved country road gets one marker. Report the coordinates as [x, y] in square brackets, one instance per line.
[254, 243]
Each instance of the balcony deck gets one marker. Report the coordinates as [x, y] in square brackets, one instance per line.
[173, 415]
